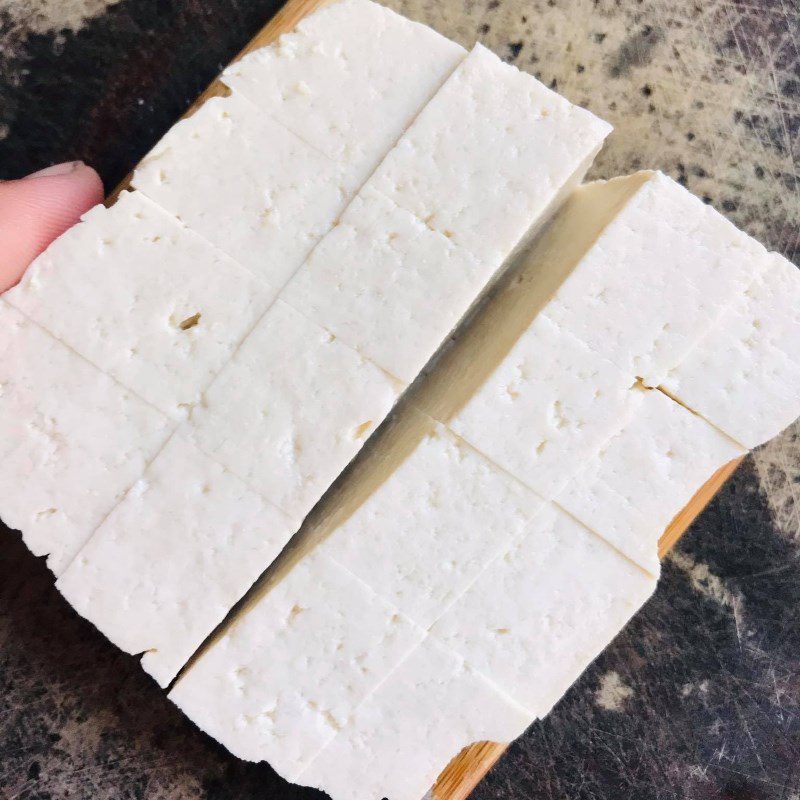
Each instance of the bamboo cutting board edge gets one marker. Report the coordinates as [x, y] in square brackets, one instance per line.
[472, 764]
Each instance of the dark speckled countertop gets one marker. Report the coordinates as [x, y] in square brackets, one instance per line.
[699, 697]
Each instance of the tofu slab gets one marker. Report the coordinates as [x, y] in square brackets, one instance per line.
[387, 284]
[292, 669]
[543, 611]
[72, 440]
[744, 375]
[491, 153]
[291, 410]
[144, 299]
[643, 476]
[348, 80]
[166, 565]
[423, 516]
[247, 184]
[402, 737]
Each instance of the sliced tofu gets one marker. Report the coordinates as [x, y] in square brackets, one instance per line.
[649, 268]
[643, 476]
[541, 612]
[247, 184]
[491, 154]
[169, 562]
[348, 80]
[72, 440]
[402, 737]
[744, 375]
[421, 515]
[144, 299]
[280, 682]
[291, 410]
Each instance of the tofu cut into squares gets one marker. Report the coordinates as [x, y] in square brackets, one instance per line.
[643, 476]
[247, 184]
[490, 155]
[144, 299]
[540, 613]
[421, 514]
[169, 562]
[291, 410]
[402, 737]
[348, 80]
[292, 668]
[387, 284]
[72, 440]
[648, 268]
[744, 375]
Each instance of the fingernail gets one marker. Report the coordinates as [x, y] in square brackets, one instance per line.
[57, 169]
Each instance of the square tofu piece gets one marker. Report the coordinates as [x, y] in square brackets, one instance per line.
[543, 611]
[173, 557]
[422, 515]
[289, 672]
[72, 440]
[643, 476]
[348, 80]
[291, 410]
[402, 737]
[387, 284]
[144, 299]
[650, 269]
[491, 153]
[247, 184]
[744, 376]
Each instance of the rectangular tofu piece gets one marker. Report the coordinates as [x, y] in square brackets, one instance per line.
[744, 375]
[421, 515]
[348, 80]
[291, 409]
[166, 565]
[544, 610]
[643, 476]
[144, 299]
[247, 184]
[290, 671]
[72, 440]
[649, 268]
[491, 154]
[402, 737]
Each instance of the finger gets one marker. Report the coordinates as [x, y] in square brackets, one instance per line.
[37, 209]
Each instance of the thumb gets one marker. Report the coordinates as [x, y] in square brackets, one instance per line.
[37, 209]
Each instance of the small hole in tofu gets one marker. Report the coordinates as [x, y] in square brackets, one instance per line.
[189, 322]
[502, 631]
[361, 429]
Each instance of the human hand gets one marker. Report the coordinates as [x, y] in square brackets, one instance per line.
[38, 208]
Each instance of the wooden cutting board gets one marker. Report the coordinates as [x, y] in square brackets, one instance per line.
[465, 771]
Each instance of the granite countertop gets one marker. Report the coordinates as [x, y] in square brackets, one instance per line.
[699, 697]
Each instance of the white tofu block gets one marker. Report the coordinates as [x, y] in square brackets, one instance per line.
[348, 80]
[72, 440]
[387, 284]
[169, 562]
[744, 376]
[423, 516]
[402, 737]
[543, 611]
[289, 672]
[247, 184]
[643, 476]
[654, 278]
[291, 410]
[491, 153]
[144, 299]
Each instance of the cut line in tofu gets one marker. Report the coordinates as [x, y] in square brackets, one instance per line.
[168, 563]
[644, 475]
[144, 299]
[72, 440]
[744, 375]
